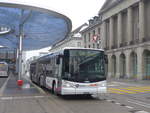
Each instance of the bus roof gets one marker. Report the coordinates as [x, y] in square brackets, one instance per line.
[59, 52]
[82, 48]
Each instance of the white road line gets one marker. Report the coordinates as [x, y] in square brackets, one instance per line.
[109, 100]
[130, 107]
[6, 98]
[24, 97]
[146, 105]
[4, 86]
[141, 112]
[112, 85]
[117, 103]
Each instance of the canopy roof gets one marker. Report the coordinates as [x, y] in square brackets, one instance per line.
[41, 27]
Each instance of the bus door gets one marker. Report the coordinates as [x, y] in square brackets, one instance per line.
[59, 73]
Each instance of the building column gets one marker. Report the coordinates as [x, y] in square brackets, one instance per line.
[141, 20]
[103, 38]
[111, 32]
[140, 63]
[119, 30]
[128, 72]
[129, 25]
[117, 66]
[109, 66]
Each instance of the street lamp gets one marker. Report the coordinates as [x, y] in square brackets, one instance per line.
[21, 36]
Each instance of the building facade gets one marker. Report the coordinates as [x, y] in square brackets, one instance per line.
[73, 40]
[91, 35]
[126, 38]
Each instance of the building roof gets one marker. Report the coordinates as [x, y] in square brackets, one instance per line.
[109, 4]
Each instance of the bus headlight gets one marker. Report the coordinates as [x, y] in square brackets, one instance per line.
[102, 84]
[67, 84]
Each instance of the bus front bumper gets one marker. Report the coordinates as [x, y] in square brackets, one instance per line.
[82, 91]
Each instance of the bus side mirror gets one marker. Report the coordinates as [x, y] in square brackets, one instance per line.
[106, 59]
[58, 59]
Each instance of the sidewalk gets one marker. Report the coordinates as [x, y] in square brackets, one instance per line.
[12, 89]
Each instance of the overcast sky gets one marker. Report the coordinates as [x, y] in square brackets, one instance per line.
[79, 11]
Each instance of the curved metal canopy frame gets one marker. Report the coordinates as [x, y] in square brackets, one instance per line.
[40, 27]
[31, 28]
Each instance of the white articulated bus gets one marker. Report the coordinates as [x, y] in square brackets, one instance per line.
[71, 71]
[3, 69]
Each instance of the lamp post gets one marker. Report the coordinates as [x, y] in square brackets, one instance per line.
[21, 36]
[20, 82]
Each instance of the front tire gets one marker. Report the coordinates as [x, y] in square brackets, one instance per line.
[54, 91]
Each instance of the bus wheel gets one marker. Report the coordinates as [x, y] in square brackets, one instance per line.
[54, 89]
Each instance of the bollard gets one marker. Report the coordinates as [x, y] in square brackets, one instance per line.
[20, 82]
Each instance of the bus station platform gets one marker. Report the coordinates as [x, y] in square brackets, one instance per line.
[10, 87]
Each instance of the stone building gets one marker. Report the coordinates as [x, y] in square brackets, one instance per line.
[91, 35]
[126, 38]
[73, 40]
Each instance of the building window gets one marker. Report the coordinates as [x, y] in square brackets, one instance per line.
[79, 44]
[89, 36]
[99, 30]
[85, 38]
[93, 45]
[98, 46]
[89, 46]
[93, 32]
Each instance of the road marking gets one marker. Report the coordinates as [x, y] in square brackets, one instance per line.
[111, 91]
[117, 103]
[4, 86]
[108, 100]
[141, 112]
[129, 90]
[124, 91]
[136, 89]
[130, 107]
[112, 85]
[6, 98]
[146, 105]
[143, 87]
[22, 97]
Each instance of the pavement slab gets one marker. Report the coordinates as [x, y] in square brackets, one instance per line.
[12, 89]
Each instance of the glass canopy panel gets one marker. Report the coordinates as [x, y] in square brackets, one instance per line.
[41, 27]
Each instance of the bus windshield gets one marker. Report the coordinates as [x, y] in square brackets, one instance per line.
[84, 65]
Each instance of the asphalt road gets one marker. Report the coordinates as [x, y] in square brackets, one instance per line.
[32, 99]
[2, 81]
[54, 104]
[134, 95]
